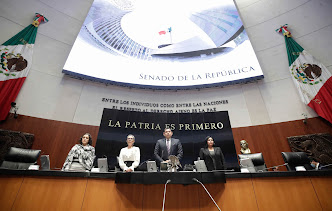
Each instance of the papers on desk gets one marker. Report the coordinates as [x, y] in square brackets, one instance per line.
[33, 167]
[245, 170]
[300, 168]
[95, 170]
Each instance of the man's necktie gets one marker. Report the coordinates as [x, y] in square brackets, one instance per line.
[168, 142]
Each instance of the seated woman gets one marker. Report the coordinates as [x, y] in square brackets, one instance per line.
[129, 157]
[213, 156]
[81, 156]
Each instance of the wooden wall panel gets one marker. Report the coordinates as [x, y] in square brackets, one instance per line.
[51, 193]
[178, 197]
[56, 138]
[104, 194]
[271, 139]
[9, 186]
[286, 193]
[235, 194]
[323, 188]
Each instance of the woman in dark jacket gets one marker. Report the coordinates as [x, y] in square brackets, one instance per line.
[213, 156]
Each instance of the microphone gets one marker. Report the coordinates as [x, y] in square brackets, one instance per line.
[261, 170]
[196, 180]
[225, 170]
[168, 181]
[143, 163]
[141, 166]
[327, 165]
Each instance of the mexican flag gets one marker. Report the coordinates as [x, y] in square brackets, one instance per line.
[15, 63]
[169, 30]
[312, 79]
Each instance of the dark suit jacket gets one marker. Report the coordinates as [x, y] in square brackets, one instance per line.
[205, 155]
[161, 152]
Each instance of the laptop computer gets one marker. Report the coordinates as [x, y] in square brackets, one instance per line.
[102, 165]
[200, 166]
[163, 166]
[151, 166]
[45, 162]
[247, 165]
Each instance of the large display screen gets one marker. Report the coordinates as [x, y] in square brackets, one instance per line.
[190, 128]
[173, 44]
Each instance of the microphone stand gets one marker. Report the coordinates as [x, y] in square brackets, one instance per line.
[168, 181]
[140, 165]
[196, 180]
[231, 170]
[272, 167]
[327, 165]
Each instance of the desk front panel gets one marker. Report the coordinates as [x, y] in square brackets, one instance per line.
[323, 188]
[285, 193]
[178, 197]
[81, 193]
[105, 194]
[235, 194]
[9, 186]
[51, 193]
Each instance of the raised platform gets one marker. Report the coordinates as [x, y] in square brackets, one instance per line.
[181, 177]
[36, 190]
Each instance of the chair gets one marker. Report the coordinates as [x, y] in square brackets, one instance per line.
[294, 159]
[257, 160]
[18, 158]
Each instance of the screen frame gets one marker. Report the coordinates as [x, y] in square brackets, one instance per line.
[153, 87]
[180, 85]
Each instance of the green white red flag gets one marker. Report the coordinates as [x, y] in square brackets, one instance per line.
[15, 63]
[169, 30]
[312, 79]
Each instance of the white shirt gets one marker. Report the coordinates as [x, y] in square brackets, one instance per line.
[132, 154]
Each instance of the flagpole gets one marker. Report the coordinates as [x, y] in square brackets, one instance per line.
[170, 33]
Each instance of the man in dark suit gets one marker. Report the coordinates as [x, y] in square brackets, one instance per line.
[167, 146]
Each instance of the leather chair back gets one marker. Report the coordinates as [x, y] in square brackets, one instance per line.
[18, 158]
[294, 159]
[257, 160]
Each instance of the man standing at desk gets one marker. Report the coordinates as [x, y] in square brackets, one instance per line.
[167, 146]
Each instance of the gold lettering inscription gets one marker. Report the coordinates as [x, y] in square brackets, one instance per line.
[202, 126]
[172, 126]
[117, 124]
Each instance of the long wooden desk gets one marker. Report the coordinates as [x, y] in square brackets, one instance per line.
[55, 190]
